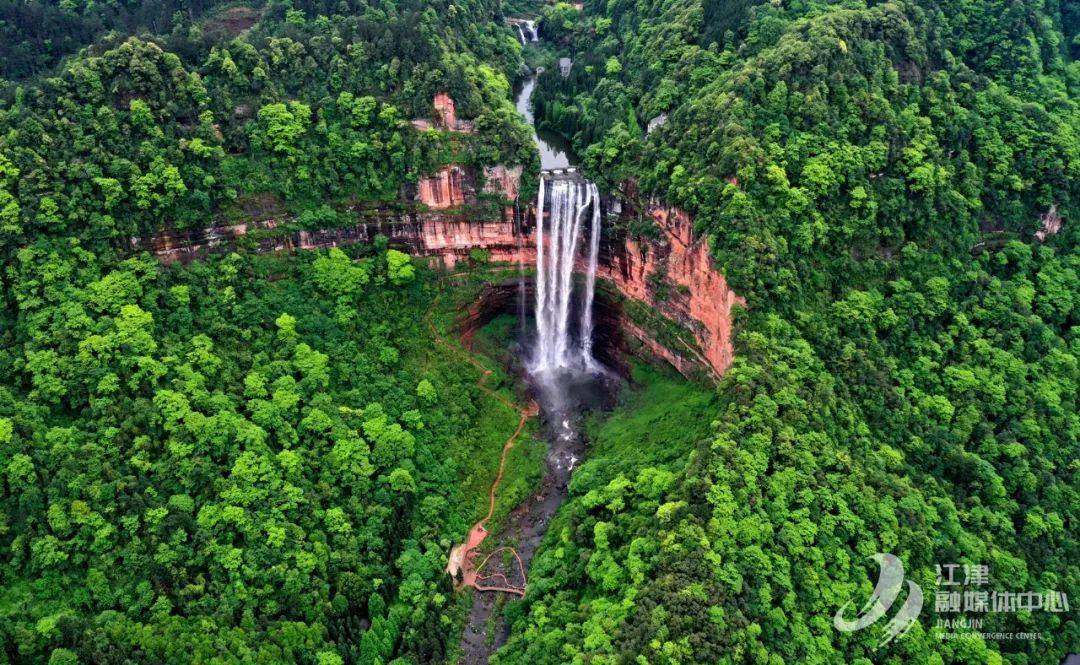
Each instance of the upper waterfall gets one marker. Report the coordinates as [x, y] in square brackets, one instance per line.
[526, 29]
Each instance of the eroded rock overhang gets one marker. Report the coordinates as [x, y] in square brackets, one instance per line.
[671, 274]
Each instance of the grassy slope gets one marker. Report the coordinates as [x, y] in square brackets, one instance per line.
[657, 422]
[477, 454]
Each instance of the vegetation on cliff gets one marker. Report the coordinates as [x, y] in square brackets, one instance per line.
[266, 458]
[140, 132]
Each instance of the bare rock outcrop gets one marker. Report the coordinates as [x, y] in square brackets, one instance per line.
[445, 117]
[1051, 224]
[446, 110]
[445, 189]
[693, 292]
[503, 180]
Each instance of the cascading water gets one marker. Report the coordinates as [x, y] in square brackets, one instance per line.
[590, 282]
[526, 30]
[556, 253]
[564, 378]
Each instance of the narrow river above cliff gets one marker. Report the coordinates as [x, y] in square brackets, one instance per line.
[555, 150]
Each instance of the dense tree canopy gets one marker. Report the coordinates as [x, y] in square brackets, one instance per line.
[882, 182]
[138, 132]
[252, 458]
[264, 458]
[247, 458]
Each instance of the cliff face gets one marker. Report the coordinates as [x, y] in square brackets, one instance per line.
[446, 110]
[450, 241]
[451, 186]
[502, 180]
[675, 276]
[672, 276]
[445, 189]
[446, 237]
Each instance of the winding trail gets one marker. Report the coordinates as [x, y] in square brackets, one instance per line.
[463, 556]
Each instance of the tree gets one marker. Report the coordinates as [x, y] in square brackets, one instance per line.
[399, 267]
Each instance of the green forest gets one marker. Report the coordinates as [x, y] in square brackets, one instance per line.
[876, 180]
[268, 457]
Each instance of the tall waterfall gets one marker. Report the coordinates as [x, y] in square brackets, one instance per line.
[557, 243]
[590, 281]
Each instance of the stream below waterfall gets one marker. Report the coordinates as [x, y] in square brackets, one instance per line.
[553, 355]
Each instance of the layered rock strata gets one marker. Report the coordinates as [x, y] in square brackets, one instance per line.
[672, 275]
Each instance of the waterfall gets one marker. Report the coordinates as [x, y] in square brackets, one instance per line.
[557, 240]
[519, 234]
[541, 276]
[526, 30]
[590, 281]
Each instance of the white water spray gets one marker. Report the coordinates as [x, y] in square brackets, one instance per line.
[526, 30]
[557, 240]
[590, 282]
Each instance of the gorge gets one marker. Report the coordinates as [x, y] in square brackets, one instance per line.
[505, 332]
[563, 378]
[671, 275]
[575, 254]
[662, 293]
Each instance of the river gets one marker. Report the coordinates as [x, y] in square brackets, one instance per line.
[555, 150]
[564, 391]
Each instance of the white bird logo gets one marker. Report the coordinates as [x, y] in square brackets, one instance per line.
[889, 583]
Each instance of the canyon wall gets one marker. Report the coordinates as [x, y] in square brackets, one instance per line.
[448, 238]
[447, 188]
[672, 276]
[675, 275]
[503, 180]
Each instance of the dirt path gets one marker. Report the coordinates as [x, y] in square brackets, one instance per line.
[462, 561]
[503, 570]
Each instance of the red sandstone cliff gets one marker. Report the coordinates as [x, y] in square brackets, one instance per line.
[697, 298]
[445, 189]
[446, 116]
[446, 109]
[452, 240]
[503, 180]
[701, 299]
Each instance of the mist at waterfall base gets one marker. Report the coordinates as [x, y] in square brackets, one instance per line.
[555, 342]
[560, 362]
